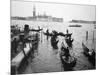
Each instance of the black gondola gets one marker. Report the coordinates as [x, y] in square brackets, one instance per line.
[68, 35]
[48, 34]
[86, 50]
[68, 61]
[69, 42]
[54, 42]
[91, 55]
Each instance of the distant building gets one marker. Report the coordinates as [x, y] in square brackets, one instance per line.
[39, 17]
[44, 17]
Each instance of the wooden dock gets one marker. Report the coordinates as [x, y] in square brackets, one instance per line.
[16, 62]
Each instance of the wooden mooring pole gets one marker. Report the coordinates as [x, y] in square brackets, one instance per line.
[86, 35]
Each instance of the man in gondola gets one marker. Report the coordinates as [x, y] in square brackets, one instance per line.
[47, 33]
[67, 52]
[67, 31]
[68, 34]
[69, 41]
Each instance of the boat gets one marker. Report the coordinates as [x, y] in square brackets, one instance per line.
[54, 42]
[36, 30]
[68, 61]
[68, 34]
[75, 25]
[90, 54]
[61, 34]
[48, 34]
[94, 26]
[86, 50]
[69, 42]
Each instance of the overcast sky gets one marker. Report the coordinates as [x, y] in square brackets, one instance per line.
[66, 11]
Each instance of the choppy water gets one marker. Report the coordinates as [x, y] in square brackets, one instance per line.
[46, 58]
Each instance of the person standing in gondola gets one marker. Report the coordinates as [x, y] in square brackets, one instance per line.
[47, 33]
[66, 50]
[67, 31]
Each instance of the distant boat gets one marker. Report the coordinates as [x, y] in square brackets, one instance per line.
[89, 53]
[75, 25]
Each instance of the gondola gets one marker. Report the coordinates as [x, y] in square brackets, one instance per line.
[68, 34]
[54, 42]
[86, 50]
[69, 42]
[68, 62]
[36, 30]
[62, 34]
[48, 34]
[90, 54]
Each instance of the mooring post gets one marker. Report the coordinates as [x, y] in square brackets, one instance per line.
[86, 35]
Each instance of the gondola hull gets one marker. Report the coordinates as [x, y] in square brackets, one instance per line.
[54, 44]
[91, 57]
[48, 34]
[68, 64]
[69, 42]
[85, 50]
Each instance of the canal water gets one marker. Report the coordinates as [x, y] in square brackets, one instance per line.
[47, 59]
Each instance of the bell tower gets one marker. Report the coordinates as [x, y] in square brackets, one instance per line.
[34, 11]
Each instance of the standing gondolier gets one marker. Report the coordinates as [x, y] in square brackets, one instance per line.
[67, 31]
[47, 33]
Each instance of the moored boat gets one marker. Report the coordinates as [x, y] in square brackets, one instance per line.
[68, 63]
[69, 41]
[67, 60]
[48, 34]
[54, 43]
[86, 50]
[90, 54]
